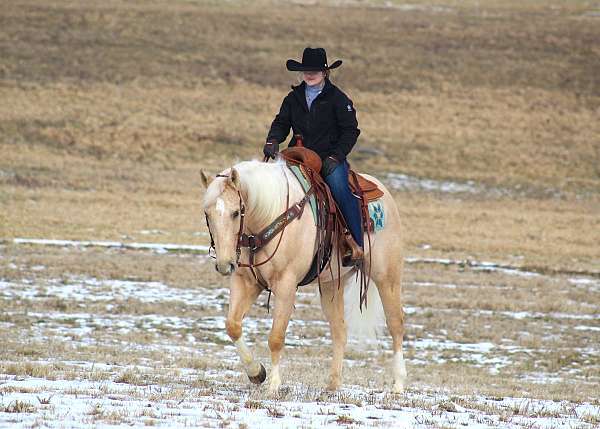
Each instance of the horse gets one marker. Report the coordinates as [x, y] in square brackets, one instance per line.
[248, 197]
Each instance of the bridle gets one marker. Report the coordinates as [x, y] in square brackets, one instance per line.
[211, 250]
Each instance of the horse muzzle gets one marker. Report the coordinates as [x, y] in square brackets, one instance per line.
[225, 268]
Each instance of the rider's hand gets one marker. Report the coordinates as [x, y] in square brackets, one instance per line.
[329, 164]
[271, 148]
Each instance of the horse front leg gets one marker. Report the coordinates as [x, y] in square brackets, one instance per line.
[285, 295]
[242, 294]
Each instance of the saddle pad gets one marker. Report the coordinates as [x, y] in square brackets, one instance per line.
[377, 215]
[306, 186]
[368, 188]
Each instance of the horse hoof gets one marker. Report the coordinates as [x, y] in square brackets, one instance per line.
[260, 377]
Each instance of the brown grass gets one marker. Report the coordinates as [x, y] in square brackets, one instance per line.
[109, 112]
[18, 407]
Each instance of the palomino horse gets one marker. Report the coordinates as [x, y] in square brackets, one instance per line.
[250, 196]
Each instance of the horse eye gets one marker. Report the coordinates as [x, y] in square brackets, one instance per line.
[235, 214]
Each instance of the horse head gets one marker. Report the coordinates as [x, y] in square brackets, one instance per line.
[223, 208]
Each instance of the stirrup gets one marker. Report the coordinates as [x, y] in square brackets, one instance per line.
[347, 261]
[355, 254]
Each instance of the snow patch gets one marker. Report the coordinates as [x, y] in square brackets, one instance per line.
[159, 247]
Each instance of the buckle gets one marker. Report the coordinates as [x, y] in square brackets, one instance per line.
[252, 242]
[212, 252]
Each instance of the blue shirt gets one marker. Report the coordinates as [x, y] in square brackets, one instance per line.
[311, 93]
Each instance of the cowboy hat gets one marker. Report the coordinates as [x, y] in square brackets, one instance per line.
[313, 59]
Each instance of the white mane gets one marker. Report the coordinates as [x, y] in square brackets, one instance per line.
[263, 187]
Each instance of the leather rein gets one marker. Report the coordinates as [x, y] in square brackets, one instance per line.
[255, 242]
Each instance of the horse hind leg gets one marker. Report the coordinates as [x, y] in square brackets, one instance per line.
[390, 292]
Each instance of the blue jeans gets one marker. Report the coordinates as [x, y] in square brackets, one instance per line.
[346, 201]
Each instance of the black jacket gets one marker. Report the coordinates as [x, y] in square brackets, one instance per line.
[328, 128]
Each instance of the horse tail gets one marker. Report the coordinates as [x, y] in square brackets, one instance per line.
[366, 325]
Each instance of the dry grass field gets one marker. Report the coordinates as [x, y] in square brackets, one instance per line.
[483, 117]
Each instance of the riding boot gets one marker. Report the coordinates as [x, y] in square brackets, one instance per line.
[353, 254]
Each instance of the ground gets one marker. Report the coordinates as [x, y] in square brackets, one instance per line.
[122, 336]
[482, 118]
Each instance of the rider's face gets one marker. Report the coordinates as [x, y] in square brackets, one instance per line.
[313, 77]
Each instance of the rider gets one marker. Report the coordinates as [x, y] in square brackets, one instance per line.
[326, 120]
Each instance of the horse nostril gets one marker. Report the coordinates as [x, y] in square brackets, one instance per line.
[217, 267]
[231, 267]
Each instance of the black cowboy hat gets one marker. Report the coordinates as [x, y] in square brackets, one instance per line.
[313, 59]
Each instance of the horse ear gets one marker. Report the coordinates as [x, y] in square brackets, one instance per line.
[204, 179]
[234, 178]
